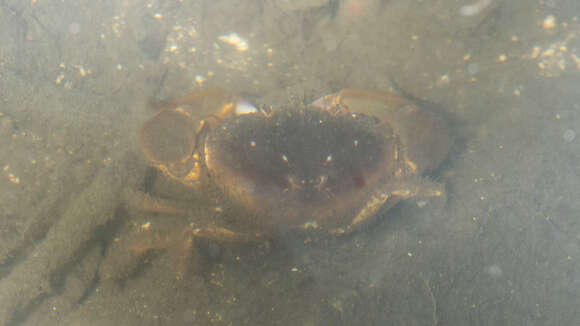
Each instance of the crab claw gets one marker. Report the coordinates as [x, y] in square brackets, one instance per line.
[424, 135]
[170, 139]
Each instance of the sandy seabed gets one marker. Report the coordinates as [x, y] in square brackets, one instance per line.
[76, 79]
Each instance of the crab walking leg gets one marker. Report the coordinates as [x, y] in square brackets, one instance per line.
[141, 201]
[125, 254]
[183, 255]
[418, 187]
[185, 251]
[390, 195]
[222, 234]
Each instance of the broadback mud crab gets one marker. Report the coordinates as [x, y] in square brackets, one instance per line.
[329, 166]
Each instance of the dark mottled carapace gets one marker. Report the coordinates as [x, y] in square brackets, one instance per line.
[299, 159]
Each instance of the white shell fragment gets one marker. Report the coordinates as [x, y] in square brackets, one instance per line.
[475, 8]
[243, 107]
[235, 40]
[569, 135]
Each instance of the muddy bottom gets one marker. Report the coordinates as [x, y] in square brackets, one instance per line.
[78, 80]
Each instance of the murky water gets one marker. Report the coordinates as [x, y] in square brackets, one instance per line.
[77, 80]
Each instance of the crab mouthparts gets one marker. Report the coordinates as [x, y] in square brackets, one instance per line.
[296, 184]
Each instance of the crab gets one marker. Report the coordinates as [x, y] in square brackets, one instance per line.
[329, 166]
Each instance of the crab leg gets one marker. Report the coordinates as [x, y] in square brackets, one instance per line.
[141, 201]
[390, 195]
[223, 234]
[183, 255]
[170, 140]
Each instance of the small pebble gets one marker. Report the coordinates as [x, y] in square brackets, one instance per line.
[569, 135]
[549, 22]
[421, 203]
